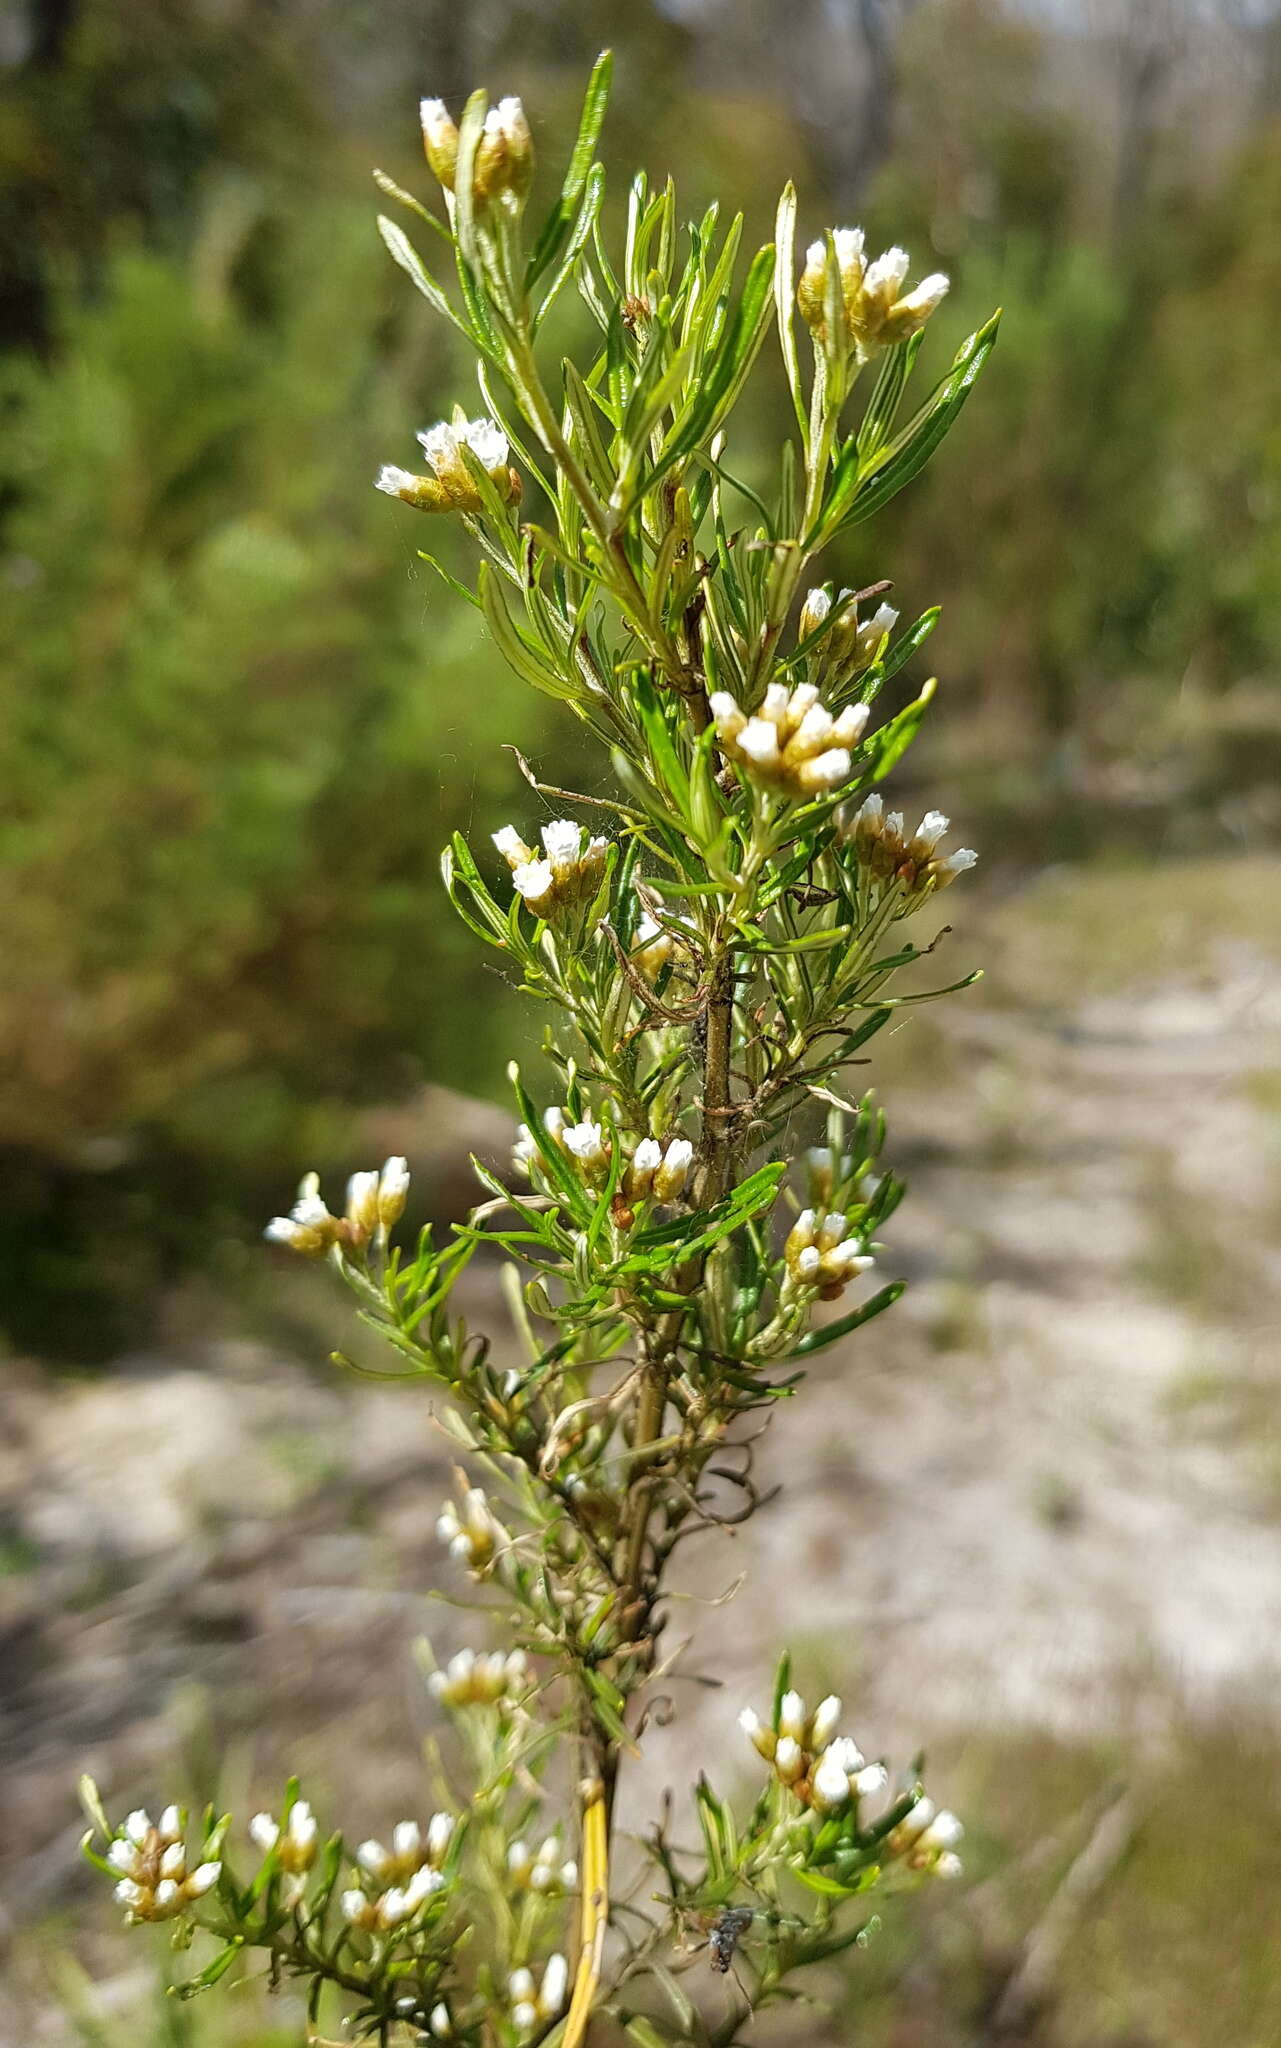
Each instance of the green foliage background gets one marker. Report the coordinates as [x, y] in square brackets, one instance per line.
[239, 717]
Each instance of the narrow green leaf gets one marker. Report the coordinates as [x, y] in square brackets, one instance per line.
[402, 251]
[831, 1333]
[557, 224]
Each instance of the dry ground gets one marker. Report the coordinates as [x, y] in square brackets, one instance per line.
[1032, 1518]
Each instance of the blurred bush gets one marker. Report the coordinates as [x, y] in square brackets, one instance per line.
[241, 718]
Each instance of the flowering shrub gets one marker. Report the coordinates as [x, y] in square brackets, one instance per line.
[711, 961]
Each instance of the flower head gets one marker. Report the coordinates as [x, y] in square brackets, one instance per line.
[820, 1253]
[473, 1533]
[150, 1865]
[892, 857]
[440, 140]
[792, 743]
[308, 1228]
[566, 877]
[874, 309]
[469, 1680]
[505, 156]
[451, 487]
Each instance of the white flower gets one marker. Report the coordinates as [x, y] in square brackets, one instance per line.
[309, 1229]
[371, 1856]
[826, 771]
[873, 1778]
[670, 1176]
[792, 1716]
[203, 1878]
[925, 298]
[563, 841]
[504, 156]
[646, 1160]
[885, 274]
[830, 1783]
[421, 1885]
[393, 1187]
[440, 444]
[440, 140]
[406, 1839]
[789, 1759]
[355, 1907]
[584, 1142]
[948, 1865]
[555, 1985]
[957, 863]
[534, 881]
[138, 1826]
[788, 743]
[440, 1833]
[759, 741]
[396, 482]
[845, 1262]
[846, 1752]
[362, 1203]
[823, 1722]
[762, 1739]
[263, 1831]
[512, 847]
[487, 441]
[170, 1824]
[943, 1832]
[439, 2022]
[469, 1680]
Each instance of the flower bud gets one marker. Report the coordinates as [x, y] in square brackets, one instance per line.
[823, 1722]
[789, 1760]
[670, 1177]
[440, 140]
[504, 156]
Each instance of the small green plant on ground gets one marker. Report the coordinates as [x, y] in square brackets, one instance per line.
[711, 962]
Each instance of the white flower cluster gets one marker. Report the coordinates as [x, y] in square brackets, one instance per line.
[405, 1876]
[294, 1846]
[876, 310]
[851, 644]
[567, 873]
[926, 1840]
[820, 1254]
[473, 1532]
[792, 743]
[541, 1870]
[884, 848]
[824, 1770]
[375, 1204]
[655, 1169]
[450, 487]
[469, 1680]
[532, 2004]
[504, 153]
[150, 1862]
[658, 1172]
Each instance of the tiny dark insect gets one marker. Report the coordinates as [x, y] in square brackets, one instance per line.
[727, 1931]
